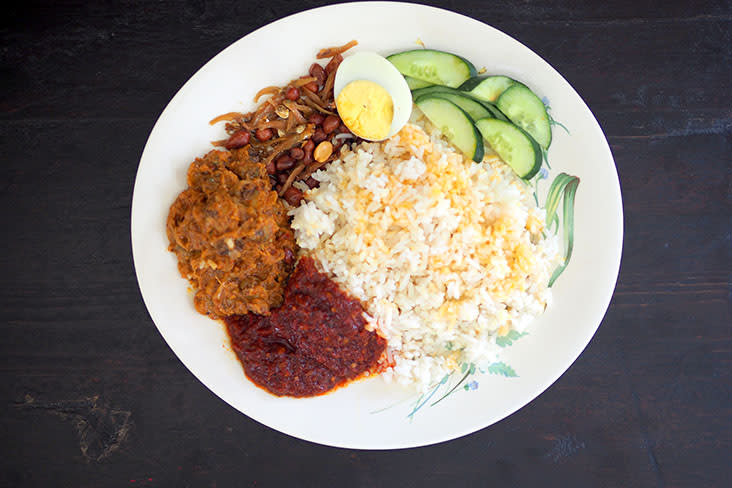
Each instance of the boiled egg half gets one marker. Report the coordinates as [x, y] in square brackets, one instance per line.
[372, 97]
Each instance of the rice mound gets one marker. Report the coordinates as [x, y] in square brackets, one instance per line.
[444, 253]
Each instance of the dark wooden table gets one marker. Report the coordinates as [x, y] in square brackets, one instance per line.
[92, 395]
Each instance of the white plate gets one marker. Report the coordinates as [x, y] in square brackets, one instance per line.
[285, 49]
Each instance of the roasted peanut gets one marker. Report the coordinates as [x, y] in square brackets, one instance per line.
[271, 169]
[317, 71]
[284, 162]
[263, 134]
[318, 136]
[331, 123]
[238, 139]
[293, 196]
[316, 118]
[323, 151]
[297, 153]
[308, 158]
[292, 93]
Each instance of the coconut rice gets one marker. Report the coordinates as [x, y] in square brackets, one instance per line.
[445, 254]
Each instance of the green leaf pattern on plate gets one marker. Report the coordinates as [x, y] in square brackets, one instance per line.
[508, 339]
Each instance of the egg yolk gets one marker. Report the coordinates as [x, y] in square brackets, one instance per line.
[366, 108]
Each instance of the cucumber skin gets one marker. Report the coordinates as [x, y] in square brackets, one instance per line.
[538, 158]
[548, 127]
[433, 89]
[495, 111]
[473, 83]
[446, 95]
[479, 149]
[471, 68]
[490, 106]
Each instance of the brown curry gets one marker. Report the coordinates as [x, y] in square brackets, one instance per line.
[231, 235]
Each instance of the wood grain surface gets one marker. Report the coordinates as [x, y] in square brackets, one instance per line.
[91, 394]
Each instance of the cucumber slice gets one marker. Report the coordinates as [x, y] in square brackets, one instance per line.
[454, 123]
[435, 89]
[526, 110]
[513, 145]
[494, 110]
[415, 84]
[487, 88]
[436, 67]
[473, 108]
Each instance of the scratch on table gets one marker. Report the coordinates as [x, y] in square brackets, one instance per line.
[692, 127]
[100, 428]
[564, 446]
[647, 443]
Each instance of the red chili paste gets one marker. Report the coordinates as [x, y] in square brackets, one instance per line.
[314, 342]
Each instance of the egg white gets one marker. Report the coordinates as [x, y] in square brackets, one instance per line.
[372, 67]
